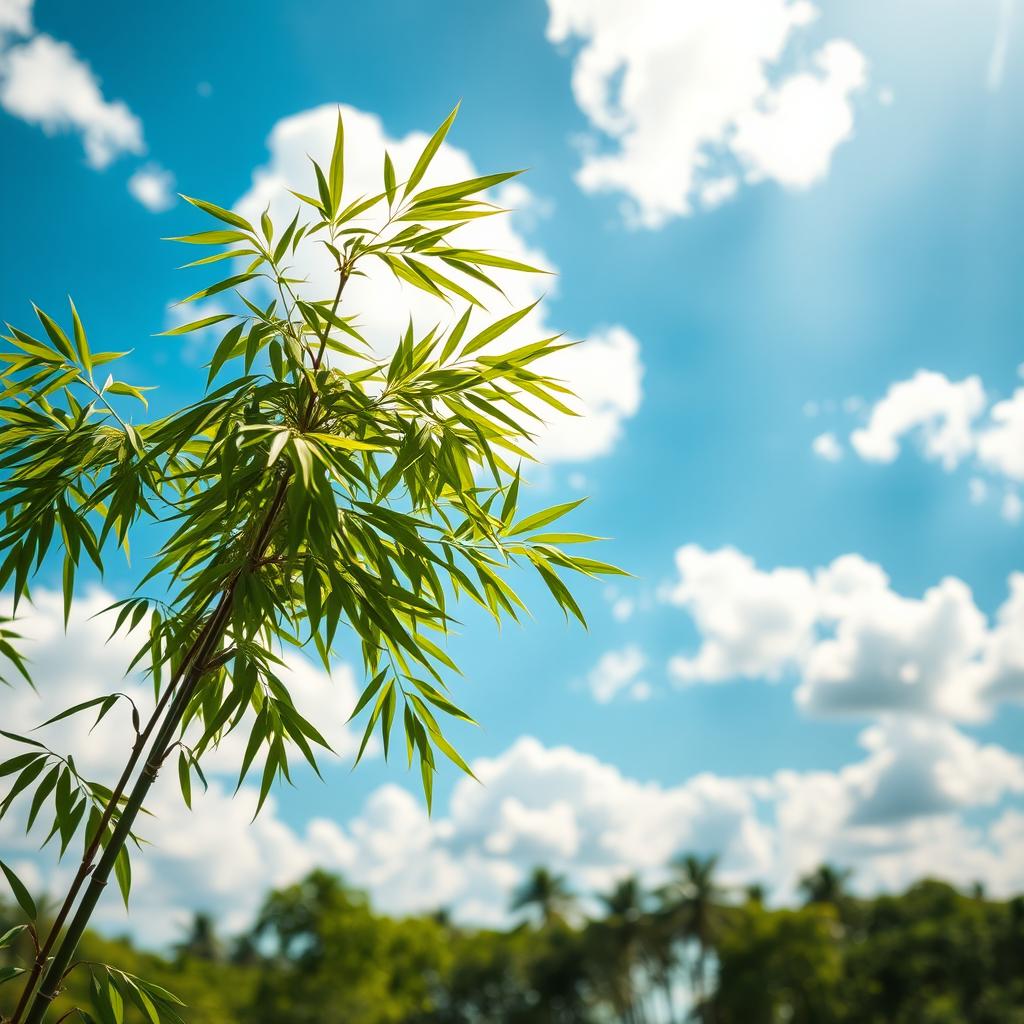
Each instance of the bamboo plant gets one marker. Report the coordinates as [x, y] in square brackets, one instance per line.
[323, 486]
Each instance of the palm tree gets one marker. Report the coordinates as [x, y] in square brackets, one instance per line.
[201, 942]
[693, 899]
[825, 884]
[546, 891]
[755, 893]
[622, 941]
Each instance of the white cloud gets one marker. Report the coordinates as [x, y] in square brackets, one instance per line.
[619, 672]
[826, 446]
[792, 136]
[751, 623]
[855, 645]
[1004, 649]
[44, 82]
[15, 18]
[622, 608]
[893, 815]
[83, 663]
[153, 186]
[690, 98]
[605, 370]
[941, 411]
[897, 815]
[1000, 442]
[890, 652]
[922, 767]
[953, 422]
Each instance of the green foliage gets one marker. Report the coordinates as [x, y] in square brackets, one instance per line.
[319, 952]
[318, 486]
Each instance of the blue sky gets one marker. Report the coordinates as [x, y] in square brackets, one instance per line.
[789, 234]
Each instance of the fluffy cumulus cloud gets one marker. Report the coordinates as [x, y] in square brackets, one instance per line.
[940, 411]
[1000, 442]
[45, 83]
[15, 17]
[605, 370]
[153, 186]
[619, 672]
[826, 446]
[894, 815]
[855, 645]
[85, 662]
[689, 100]
[898, 814]
[952, 423]
[751, 623]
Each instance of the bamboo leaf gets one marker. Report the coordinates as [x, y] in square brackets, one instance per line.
[429, 150]
[336, 174]
[21, 894]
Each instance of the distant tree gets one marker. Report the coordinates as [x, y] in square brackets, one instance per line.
[332, 960]
[547, 893]
[693, 898]
[620, 948]
[755, 893]
[781, 965]
[319, 952]
[825, 884]
[932, 954]
[202, 942]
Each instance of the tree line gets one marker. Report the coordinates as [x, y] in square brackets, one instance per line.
[690, 950]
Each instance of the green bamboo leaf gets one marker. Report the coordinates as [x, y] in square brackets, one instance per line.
[497, 329]
[119, 387]
[463, 188]
[84, 706]
[185, 779]
[429, 150]
[123, 874]
[545, 516]
[389, 178]
[563, 538]
[56, 335]
[25, 779]
[43, 790]
[326, 202]
[224, 350]
[212, 238]
[21, 894]
[81, 341]
[220, 286]
[18, 762]
[427, 775]
[346, 443]
[220, 213]
[10, 934]
[368, 694]
[196, 325]
[336, 174]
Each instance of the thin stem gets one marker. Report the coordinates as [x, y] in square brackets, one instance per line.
[86, 865]
[206, 642]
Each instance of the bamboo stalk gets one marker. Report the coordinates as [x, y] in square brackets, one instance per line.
[43, 993]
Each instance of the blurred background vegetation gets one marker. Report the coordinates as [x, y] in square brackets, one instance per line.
[689, 950]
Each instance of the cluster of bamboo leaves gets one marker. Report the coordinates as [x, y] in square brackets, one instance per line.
[323, 497]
